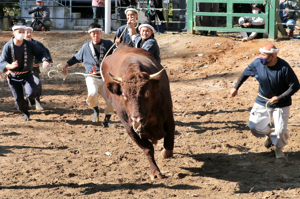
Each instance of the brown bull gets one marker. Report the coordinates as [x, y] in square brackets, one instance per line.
[138, 87]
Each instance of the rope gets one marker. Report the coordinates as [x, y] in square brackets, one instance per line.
[59, 72]
[59, 68]
[267, 107]
[107, 53]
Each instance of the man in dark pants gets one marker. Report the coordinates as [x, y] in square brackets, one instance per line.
[36, 69]
[209, 21]
[16, 62]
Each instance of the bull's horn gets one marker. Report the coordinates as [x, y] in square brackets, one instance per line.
[156, 74]
[117, 79]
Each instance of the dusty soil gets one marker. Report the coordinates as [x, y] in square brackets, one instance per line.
[60, 153]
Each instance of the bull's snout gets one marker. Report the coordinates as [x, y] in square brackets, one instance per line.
[137, 123]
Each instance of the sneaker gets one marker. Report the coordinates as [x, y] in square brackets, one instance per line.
[96, 114]
[279, 153]
[38, 105]
[268, 142]
[244, 39]
[26, 116]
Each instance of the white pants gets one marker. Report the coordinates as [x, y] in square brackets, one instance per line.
[259, 120]
[95, 86]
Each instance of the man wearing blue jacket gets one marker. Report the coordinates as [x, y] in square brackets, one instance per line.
[277, 83]
[92, 54]
[36, 69]
[16, 62]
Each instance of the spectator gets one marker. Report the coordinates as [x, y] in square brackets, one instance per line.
[124, 4]
[289, 17]
[41, 17]
[208, 21]
[252, 22]
[150, 14]
[98, 10]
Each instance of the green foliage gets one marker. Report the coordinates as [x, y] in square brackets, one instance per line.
[13, 10]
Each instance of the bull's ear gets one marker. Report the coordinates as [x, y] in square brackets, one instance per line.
[114, 88]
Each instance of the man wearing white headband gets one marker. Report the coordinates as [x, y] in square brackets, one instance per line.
[277, 83]
[17, 62]
[91, 55]
[132, 15]
[36, 69]
[146, 40]
[123, 4]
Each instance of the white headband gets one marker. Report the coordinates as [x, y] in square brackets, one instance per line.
[15, 27]
[272, 50]
[29, 28]
[94, 29]
[146, 25]
[131, 9]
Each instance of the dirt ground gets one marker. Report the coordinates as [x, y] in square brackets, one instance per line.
[60, 153]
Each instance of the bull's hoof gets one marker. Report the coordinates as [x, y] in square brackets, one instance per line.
[167, 153]
[156, 174]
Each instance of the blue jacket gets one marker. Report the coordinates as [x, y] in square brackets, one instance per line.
[33, 51]
[149, 45]
[87, 55]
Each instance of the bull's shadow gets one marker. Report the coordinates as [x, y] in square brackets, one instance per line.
[8, 149]
[92, 188]
[200, 126]
[254, 172]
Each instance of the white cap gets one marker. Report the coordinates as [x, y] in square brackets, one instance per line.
[131, 9]
[146, 25]
[16, 27]
[39, 0]
[272, 50]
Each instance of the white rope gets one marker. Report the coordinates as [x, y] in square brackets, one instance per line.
[59, 73]
[107, 53]
[59, 69]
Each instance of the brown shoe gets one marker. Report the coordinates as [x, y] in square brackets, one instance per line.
[291, 34]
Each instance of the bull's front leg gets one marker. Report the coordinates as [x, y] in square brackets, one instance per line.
[148, 149]
[169, 128]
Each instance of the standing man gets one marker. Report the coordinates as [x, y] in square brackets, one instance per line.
[92, 54]
[17, 62]
[98, 10]
[41, 17]
[124, 33]
[36, 67]
[289, 17]
[277, 83]
[209, 21]
[124, 4]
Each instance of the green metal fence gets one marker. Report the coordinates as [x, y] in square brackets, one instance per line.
[272, 19]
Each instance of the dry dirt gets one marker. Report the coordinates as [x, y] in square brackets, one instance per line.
[60, 153]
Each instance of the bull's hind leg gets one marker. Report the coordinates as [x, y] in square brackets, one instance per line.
[169, 127]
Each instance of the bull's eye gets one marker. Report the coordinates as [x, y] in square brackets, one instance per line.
[147, 94]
